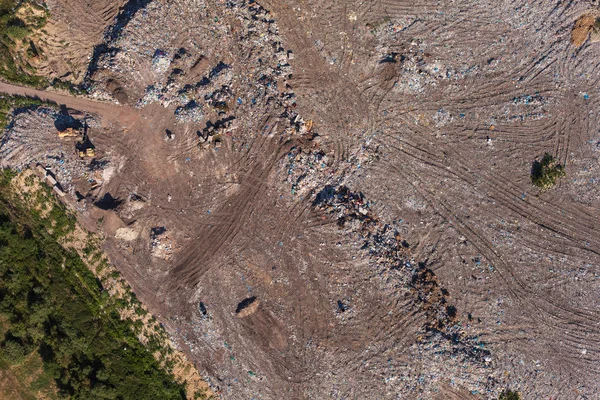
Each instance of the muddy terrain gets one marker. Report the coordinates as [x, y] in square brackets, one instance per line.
[333, 199]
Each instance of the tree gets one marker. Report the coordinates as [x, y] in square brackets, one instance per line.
[509, 395]
[545, 172]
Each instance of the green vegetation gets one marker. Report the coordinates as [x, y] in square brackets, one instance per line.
[73, 89]
[21, 23]
[16, 48]
[546, 172]
[26, 379]
[509, 395]
[53, 308]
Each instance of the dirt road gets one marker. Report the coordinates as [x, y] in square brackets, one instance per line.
[109, 112]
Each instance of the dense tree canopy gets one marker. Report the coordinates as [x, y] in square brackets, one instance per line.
[52, 304]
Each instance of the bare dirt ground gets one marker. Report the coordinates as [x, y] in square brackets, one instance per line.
[363, 225]
[73, 31]
[108, 113]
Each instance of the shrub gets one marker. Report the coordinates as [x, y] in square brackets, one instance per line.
[509, 395]
[17, 29]
[13, 352]
[545, 172]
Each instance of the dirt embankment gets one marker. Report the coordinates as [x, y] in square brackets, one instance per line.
[73, 30]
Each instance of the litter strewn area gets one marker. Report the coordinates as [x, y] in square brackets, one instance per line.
[52, 144]
[196, 77]
[336, 199]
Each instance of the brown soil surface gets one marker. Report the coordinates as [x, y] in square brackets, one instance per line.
[109, 113]
[582, 29]
[74, 28]
[395, 246]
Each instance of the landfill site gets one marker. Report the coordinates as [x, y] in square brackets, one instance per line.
[333, 199]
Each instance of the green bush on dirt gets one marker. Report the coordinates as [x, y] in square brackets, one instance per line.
[546, 172]
[12, 351]
[509, 395]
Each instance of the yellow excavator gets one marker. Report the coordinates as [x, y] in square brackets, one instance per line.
[69, 132]
[85, 146]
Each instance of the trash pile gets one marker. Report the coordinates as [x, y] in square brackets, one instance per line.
[391, 258]
[190, 112]
[161, 245]
[160, 62]
[298, 162]
[353, 213]
[526, 107]
[197, 78]
[416, 68]
[213, 133]
[49, 144]
[189, 68]
[134, 203]
[307, 163]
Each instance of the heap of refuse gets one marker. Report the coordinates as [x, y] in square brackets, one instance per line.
[197, 78]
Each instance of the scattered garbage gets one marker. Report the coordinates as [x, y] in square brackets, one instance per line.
[53, 146]
[161, 244]
[192, 78]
